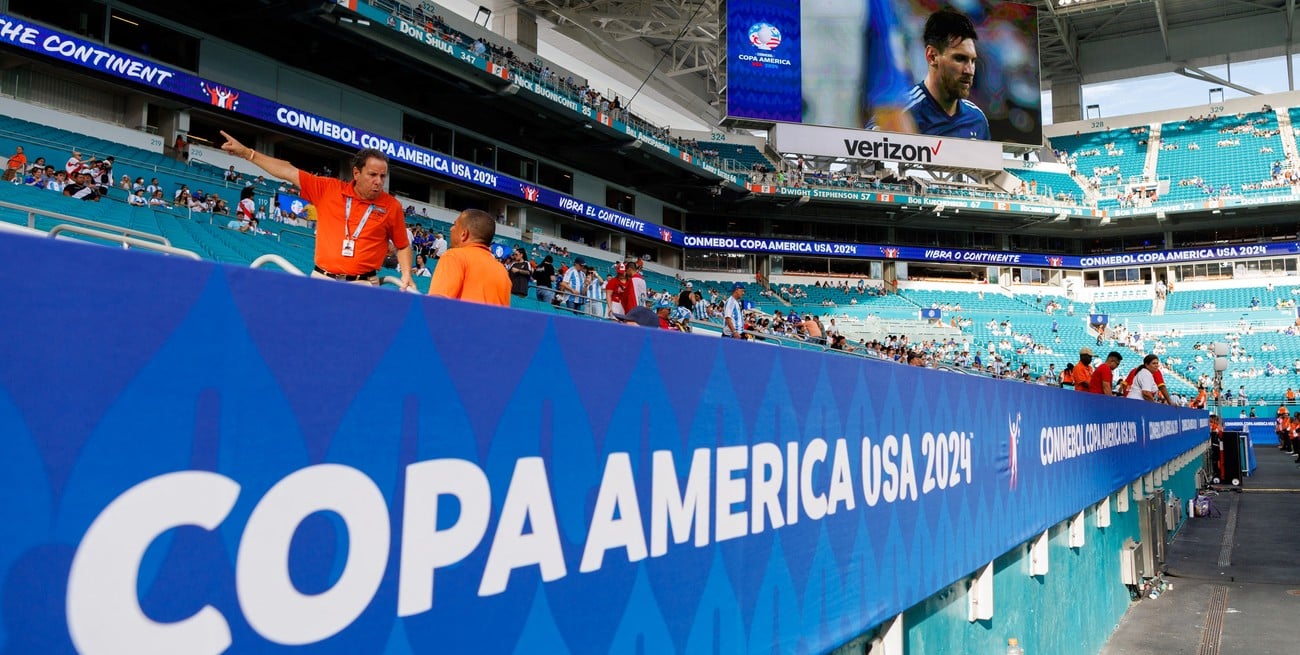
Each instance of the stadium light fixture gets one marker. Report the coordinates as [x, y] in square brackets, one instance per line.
[1061, 218]
[1105, 220]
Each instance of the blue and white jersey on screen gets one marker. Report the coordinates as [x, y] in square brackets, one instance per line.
[968, 123]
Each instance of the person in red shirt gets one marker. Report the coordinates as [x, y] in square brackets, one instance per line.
[614, 289]
[468, 271]
[355, 220]
[1103, 377]
[663, 308]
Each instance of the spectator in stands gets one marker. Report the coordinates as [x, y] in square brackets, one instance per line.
[1143, 386]
[125, 185]
[1104, 376]
[572, 285]
[544, 277]
[76, 164]
[36, 179]
[684, 299]
[421, 267]
[346, 250]
[638, 282]
[468, 271]
[182, 147]
[231, 174]
[520, 272]
[439, 245]
[617, 289]
[1081, 373]
[102, 173]
[247, 208]
[137, 199]
[732, 317]
[17, 164]
[156, 201]
[82, 188]
[663, 309]
[701, 310]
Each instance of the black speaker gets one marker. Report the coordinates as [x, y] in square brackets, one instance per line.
[1229, 465]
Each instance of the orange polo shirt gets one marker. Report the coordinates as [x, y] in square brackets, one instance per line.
[470, 272]
[385, 224]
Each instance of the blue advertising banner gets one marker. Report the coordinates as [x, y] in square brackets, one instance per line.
[201, 459]
[764, 60]
[70, 49]
[876, 251]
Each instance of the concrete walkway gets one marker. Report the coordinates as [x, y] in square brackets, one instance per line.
[1235, 577]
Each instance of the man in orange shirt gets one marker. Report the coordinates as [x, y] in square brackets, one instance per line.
[355, 220]
[17, 165]
[468, 271]
[1082, 370]
[1282, 427]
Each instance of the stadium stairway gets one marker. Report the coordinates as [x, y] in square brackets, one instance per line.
[1153, 152]
[1288, 134]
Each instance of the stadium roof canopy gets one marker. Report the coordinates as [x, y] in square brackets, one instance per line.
[1080, 40]
[1098, 40]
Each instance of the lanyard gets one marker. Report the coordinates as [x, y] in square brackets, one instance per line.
[347, 214]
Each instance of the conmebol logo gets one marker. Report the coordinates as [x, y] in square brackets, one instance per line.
[883, 149]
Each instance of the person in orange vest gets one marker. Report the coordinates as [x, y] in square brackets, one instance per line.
[1282, 427]
[1199, 401]
[1216, 446]
[1081, 372]
[1294, 442]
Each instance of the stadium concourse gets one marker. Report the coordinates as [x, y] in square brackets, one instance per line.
[201, 457]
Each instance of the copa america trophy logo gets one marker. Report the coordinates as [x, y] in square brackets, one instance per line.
[764, 36]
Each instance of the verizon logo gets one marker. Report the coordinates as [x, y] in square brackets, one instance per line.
[883, 149]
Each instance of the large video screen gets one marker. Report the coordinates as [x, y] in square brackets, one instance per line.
[867, 64]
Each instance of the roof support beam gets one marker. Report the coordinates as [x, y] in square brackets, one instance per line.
[1164, 24]
[1198, 74]
[1066, 36]
[1290, 18]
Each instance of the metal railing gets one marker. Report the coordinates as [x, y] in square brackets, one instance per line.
[271, 258]
[33, 212]
[124, 240]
